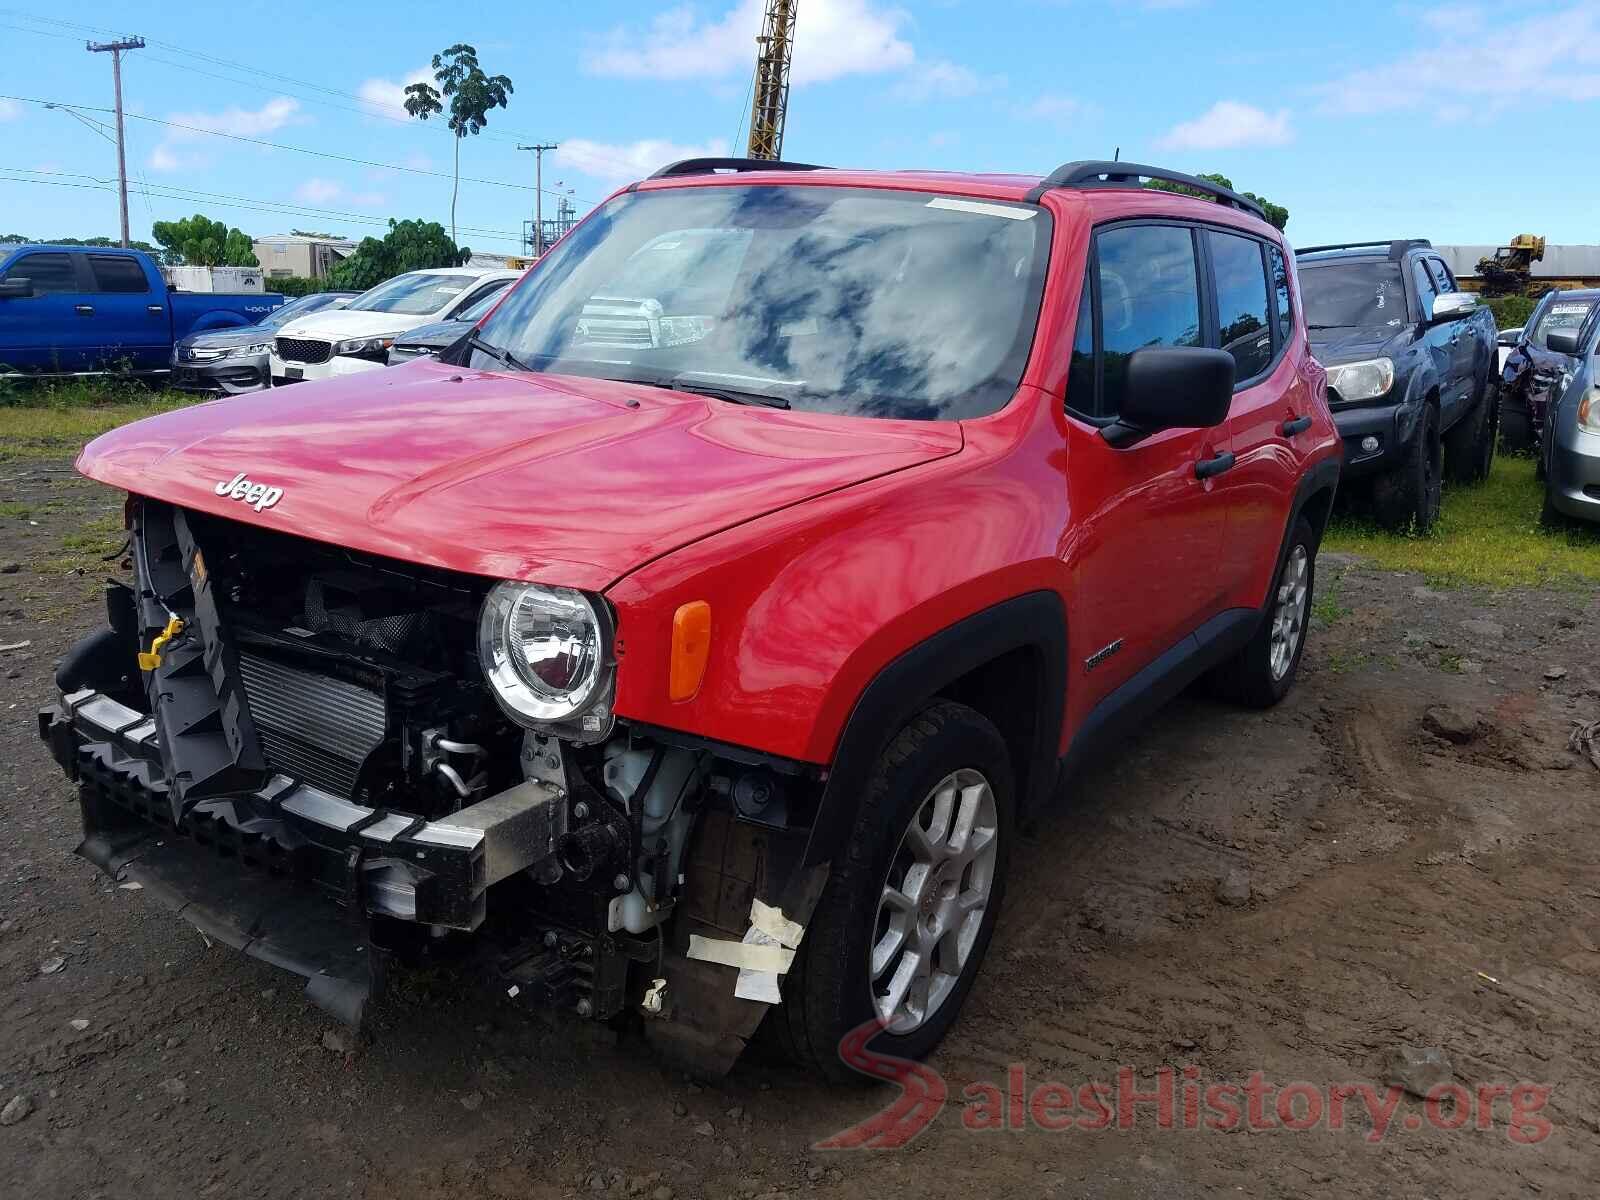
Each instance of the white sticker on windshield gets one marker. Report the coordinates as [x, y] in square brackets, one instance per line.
[1010, 212]
[1569, 308]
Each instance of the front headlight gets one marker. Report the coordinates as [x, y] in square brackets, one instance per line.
[546, 652]
[258, 348]
[366, 347]
[1589, 412]
[1365, 380]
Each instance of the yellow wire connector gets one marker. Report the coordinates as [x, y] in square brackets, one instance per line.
[150, 659]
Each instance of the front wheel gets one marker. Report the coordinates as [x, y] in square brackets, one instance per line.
[907, 915]
[1469, 447]
[1407, 498]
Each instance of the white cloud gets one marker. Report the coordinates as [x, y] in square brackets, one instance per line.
[239, 122]
[1055, 106]
[163, 158]
[627, 161]
[1552, 57]
[319, 191]
[10, 110]
[390, 94]
[833, 38]
[944, 80]
[1228, 124]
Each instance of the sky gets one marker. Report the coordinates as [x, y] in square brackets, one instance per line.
[1466, 123]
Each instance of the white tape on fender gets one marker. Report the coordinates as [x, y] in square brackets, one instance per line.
[775, 925]
[746, 955]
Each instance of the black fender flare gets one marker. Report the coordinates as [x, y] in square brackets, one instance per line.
[1034, 620]
[1408, 414]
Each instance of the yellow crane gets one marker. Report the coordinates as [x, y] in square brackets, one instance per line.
[771, 90]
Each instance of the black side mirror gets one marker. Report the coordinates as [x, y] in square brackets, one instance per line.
[1172, 387]
[1562, 341]
[16, 288]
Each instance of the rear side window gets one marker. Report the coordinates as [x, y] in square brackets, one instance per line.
[48, 272]
[1242, 308]
[1149, 296]
[115, 274]
[1280, 287]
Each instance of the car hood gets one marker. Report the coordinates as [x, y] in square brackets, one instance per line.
[537, 477]
[1333, 346]
[342, 323]
[227, 339]
[435, 333]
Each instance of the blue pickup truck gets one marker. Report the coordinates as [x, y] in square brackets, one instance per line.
[72, 310]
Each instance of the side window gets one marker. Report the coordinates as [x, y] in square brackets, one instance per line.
[1441, 276]
[113, 273]
[1280, 285]
[478, 294]
[49, 272]
[1080, 372]
[1242, 308]
[1425, 288]
[1149, 296]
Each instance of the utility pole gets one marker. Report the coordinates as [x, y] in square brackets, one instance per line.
[538, 193]
[116, 49]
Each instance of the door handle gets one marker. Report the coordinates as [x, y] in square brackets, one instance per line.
[1207, 467]
[83, 310]
[1295, 425]
[154, 309]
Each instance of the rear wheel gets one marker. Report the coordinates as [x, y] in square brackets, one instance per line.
[908, 912]
[1469, 447]
[1263, 672]
[1407, 498]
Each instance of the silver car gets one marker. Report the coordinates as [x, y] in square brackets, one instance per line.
[1571, 448]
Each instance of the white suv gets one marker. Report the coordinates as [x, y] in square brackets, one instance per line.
[357, 337]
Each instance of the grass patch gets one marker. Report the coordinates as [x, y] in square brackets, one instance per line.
[54, 421]
[1488, 534]
[1326, 608]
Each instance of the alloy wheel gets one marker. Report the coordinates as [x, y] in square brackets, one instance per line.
[1289, 615]
[933, 901]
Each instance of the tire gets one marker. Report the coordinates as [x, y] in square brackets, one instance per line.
[831, 989]
[1469, 447]
[1406, 500]
[1516, 428]
[1262, 673]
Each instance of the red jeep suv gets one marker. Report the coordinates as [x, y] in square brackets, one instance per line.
[687, 643]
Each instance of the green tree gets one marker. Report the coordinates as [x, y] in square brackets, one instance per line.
[471, 94]
[408, 246]
[1277, 215]
[199, 241]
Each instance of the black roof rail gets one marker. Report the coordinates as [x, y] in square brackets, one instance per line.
[705, 166]
[1398, 247]
[1089, 173]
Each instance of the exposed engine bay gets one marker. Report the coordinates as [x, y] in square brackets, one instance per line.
[324, 719]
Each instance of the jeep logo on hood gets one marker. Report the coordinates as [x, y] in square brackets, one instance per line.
[257, 495]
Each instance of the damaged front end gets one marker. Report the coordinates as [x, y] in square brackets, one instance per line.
[311, 763]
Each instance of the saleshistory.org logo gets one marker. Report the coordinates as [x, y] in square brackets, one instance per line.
[257, 495]
[1175, 1100]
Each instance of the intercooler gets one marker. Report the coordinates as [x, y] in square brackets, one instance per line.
[314, 728]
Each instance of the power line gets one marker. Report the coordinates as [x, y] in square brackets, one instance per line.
[226, 200]
[239, 137]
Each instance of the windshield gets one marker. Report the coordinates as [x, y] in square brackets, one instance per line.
[843, 300]
[1352, 295]
[1566, 315]
[298, 307]
[413, 295]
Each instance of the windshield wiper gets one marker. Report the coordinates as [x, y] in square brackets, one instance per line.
[705, 383]
[1330, 326]
[504, 357]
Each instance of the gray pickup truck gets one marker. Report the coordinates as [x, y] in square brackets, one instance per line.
[1412, 375]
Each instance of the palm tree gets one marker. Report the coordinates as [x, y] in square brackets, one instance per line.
[471, 94]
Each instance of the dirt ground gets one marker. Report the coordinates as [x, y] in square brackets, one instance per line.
[1297, 893]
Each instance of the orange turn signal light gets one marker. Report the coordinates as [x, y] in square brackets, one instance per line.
[691, 648]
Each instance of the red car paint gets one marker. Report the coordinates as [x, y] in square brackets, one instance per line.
[826, 546]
